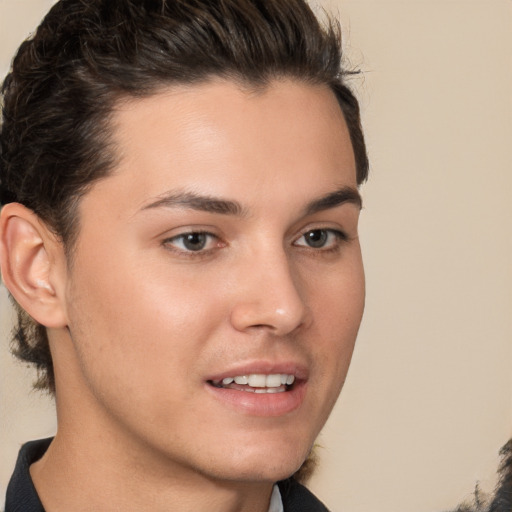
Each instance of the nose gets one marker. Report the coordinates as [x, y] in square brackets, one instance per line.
[269, 297]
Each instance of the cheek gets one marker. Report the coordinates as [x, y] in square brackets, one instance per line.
[143, 352]
[337, 307]
[151, 321]
[337, 298]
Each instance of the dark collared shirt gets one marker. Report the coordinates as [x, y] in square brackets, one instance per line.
[22, 495]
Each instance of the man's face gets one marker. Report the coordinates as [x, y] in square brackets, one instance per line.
[223, 246]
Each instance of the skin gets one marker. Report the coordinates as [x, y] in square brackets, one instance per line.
[140, 323]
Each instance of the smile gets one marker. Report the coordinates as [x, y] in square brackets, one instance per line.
[257, 383]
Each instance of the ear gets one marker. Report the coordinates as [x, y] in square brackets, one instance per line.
[33, 265]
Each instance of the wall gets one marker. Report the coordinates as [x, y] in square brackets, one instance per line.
[428, 402]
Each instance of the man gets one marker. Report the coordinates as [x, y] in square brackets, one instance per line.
[179, 232]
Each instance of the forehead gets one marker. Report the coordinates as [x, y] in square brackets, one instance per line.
[222, 139]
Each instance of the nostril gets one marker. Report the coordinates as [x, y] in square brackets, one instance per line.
[257, 316]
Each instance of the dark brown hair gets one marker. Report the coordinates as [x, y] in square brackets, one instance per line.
[501, 501]
[88, 54]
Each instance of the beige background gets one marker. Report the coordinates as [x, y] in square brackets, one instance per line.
[428, 402]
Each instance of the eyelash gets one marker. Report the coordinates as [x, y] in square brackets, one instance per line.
[336, 240]
[170, 243]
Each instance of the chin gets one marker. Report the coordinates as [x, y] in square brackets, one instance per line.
[273, 455]
[270, 465]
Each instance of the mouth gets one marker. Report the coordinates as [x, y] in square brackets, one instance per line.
[257, 383]
[261, 394]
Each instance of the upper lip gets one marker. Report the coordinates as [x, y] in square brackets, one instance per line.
[300, 371]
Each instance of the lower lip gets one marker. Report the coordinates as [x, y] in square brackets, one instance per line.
[261, 404]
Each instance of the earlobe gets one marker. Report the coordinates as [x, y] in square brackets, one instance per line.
[29, 255]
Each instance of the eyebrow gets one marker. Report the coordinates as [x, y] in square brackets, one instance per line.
[216, 205]
[202, 203]
[335, 199]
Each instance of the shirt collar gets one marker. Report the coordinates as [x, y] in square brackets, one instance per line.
[276, 503]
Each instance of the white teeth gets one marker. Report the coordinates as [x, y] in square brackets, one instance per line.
[280, 389]
[260, 380]
[273, 381]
